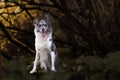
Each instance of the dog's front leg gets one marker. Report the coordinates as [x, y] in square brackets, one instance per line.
[35, 63]
[53, 57]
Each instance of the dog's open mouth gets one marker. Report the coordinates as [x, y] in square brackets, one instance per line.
[43, 33]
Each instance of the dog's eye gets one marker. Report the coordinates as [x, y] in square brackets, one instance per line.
[39, 25]
[45, 24]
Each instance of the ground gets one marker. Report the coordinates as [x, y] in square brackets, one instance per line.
[89, 67]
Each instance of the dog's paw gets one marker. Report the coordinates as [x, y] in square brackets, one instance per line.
[53, 69]
[32, 71]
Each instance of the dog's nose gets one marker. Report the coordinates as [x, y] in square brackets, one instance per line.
[43, 30]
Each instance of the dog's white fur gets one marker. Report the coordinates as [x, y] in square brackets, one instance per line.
[44, 55]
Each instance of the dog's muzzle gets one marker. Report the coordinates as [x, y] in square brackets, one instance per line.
[43, 33]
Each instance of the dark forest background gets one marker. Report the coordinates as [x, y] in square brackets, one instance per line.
[86, 33]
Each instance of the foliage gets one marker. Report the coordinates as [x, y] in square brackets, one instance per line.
[94, 24]
[85, 32]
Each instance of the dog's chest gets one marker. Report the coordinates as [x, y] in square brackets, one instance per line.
[41, 41]
[40, 38]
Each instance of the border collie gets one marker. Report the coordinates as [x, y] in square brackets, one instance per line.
[45, 48]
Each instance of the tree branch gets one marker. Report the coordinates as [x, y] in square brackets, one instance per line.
[5, 55]
[15, 41]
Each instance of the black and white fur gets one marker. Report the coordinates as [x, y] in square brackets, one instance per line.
[44, 46]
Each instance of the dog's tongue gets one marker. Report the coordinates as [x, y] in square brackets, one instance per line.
[43, 34]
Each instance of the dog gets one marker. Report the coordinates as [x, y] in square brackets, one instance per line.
[46, 52]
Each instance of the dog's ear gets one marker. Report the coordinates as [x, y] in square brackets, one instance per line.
[35, 22]
[47, 17]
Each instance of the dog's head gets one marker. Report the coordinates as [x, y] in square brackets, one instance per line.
[43, 25]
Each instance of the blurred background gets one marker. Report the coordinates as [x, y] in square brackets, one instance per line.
[86, 33]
